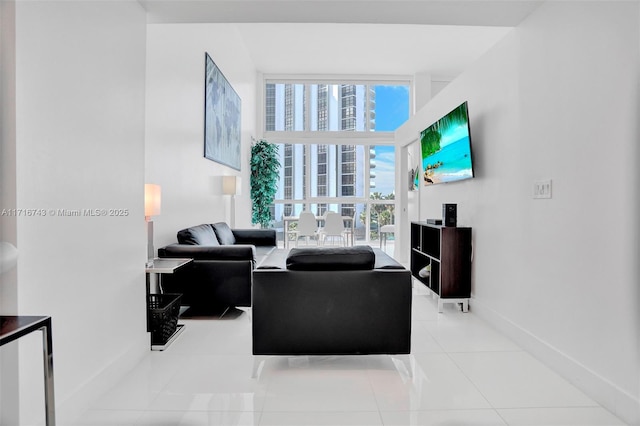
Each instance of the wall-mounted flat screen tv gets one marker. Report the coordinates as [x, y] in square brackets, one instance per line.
[446, 148]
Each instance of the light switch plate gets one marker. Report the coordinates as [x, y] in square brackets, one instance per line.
[542, 189]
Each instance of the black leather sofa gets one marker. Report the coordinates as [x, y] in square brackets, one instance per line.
[220, 275]
[331, 301]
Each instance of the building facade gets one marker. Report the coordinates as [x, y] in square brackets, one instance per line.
[335, 170]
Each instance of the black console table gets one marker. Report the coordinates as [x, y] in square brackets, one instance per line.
[441, 260]
[15, 327]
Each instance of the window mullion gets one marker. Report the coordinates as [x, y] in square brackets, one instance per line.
[307, 176]
[367, 106]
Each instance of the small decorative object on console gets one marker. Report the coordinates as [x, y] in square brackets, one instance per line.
[425, 272]
[450, 214]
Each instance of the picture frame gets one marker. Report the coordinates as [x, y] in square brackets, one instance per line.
[222, 118]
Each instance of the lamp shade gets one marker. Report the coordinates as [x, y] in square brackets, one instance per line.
[152, 198]
[230, 185]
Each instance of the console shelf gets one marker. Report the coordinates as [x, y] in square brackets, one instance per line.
[446, 253]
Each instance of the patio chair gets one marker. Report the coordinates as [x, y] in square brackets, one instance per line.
[333, 227]
[307, 227]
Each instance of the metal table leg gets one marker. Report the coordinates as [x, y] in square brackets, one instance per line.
[47, 349]
[13, 327]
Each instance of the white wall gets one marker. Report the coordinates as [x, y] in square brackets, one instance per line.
[80, 70]
[7, 147]
[9, 413]
[556, 99]
[191, 184]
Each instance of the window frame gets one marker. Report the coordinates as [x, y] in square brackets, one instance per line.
[364, 137]
[339, 137]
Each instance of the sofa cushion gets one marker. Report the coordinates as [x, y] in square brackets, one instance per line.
[224, 234]
[201, 235]
[355, 258]
[257, 237]
[209, 253]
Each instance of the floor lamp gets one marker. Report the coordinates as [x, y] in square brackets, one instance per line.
[152, 198]
[231, 186]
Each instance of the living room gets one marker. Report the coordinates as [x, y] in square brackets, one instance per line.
[96, 101]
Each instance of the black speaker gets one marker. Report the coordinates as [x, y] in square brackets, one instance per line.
[450, 214]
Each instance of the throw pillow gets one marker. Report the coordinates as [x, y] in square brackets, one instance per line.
[201, 235]
[224, 234]
[356, 258]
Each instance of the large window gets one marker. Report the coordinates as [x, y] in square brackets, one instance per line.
[335, 107]
[349, 179]
[285, 107]
[336, 149]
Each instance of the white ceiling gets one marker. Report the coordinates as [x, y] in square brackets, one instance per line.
[379, 37]
[443, 51]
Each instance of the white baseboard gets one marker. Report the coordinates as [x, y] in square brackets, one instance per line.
[619, 402]
[69, 410]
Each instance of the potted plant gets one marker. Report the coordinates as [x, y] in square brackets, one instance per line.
[265, 168]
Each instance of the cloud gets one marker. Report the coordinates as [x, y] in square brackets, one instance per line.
[385, 171]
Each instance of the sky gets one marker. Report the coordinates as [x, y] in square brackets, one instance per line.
[385, 169]
[392, 110]
[392, 107]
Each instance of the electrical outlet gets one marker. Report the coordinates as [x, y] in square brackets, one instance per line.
[542, 189]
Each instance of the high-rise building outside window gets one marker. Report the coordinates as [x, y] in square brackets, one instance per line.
[375, 107]
[353, 179]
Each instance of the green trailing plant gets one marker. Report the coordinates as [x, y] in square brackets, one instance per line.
[265, 168]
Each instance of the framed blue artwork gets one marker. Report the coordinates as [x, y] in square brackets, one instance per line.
[222, 111]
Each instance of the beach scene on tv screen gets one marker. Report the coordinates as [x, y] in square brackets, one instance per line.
[446, 149]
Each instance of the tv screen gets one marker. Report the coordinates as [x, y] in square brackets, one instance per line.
[446, 148]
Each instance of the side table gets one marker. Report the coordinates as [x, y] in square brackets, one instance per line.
[15, 327]
[158, 267]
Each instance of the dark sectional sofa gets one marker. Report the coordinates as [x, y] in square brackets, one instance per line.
[331, 301]
[221, 274]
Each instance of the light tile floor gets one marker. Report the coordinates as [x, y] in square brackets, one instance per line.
[466, 373]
